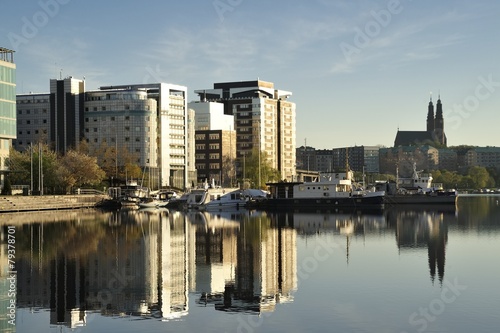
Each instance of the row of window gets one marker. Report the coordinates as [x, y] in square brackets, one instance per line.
[113, 118]
[28, 132]
[35, 111]
[126, 107]
[29, 101]
[212, 146]
[28, 122]
[212, 166]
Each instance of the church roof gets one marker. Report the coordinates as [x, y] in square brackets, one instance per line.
[413, 138]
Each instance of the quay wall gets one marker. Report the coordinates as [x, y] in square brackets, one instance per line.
[15, 203]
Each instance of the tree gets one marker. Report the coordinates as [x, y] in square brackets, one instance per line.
[79, 169]
[253, 168]
[479, 176]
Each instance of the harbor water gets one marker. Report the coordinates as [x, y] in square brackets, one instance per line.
[411, 269]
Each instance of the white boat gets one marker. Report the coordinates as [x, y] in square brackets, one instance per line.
[326, 192]
[198, 198]
[227, 201]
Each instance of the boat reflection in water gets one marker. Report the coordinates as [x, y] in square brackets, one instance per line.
[150, 263]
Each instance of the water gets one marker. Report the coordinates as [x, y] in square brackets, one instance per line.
[413, 270]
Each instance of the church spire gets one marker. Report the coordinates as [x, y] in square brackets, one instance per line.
[430, 116]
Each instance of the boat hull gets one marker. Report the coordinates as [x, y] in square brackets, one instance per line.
[321, 204]
[420, 199]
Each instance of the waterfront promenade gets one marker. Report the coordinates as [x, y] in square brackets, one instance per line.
[15, 203]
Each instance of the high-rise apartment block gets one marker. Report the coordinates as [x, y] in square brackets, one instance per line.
[159, 108]
[215, 143]
[66, 113]
[263, 119]
[7, 107]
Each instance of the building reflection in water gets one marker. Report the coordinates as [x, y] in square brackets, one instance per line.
[149, 263]
[421, 228]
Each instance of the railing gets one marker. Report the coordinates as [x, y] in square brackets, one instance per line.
[88, 191]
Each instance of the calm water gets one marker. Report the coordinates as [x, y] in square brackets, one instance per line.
[412, 270]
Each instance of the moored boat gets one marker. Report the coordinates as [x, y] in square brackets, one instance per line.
[329, 192]
[227, 201]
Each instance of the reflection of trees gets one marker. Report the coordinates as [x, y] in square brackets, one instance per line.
[474, 211]
[74, 238]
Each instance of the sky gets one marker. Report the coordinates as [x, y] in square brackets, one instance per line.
[358, 70]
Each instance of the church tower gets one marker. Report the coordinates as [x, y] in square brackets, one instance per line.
[439, 123]
[430, 117]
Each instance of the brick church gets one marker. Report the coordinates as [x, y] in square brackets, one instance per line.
[434, 135]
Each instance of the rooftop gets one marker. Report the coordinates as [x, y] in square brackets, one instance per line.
[6, 55]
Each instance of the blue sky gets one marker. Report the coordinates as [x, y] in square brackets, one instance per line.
[358, 70]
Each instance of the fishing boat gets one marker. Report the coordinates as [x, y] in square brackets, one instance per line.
[418, 189]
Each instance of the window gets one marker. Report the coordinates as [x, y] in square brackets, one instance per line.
[45, 121]
[127, 139]
[112, 118]
[137, 139]
[28, 122]
[127, 128]
[103, 108]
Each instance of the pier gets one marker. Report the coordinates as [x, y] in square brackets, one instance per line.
[15, 203]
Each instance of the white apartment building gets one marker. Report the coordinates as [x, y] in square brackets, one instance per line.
[263, 119]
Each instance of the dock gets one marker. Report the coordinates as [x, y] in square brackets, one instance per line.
[17, 203]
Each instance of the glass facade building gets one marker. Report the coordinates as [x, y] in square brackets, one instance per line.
[7, 106]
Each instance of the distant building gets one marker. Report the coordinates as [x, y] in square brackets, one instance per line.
[434, 134]
[448, 159]
[215, 143]
[488, 157]
[263, 119]
[400, 159]
[7, 107]
[306, 158]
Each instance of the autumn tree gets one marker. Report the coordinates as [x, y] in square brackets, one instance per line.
[80, 169]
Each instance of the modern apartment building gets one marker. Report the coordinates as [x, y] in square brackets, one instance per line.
[7, 107]
[215, 143]
[167, 122]
[263, 119]
[123, 121]
[147, 121]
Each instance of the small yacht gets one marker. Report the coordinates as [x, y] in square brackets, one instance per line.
[227, 201]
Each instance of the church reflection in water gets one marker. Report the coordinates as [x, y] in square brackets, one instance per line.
[151, 263]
